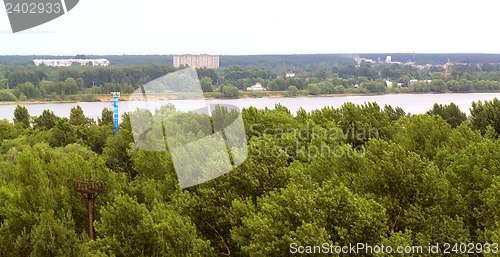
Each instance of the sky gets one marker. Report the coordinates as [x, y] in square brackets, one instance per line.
[231, 27]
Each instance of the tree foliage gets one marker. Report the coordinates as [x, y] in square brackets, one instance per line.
[486, 114]
[22, 116]
[352, 174]
[230, 91]
[450, 113]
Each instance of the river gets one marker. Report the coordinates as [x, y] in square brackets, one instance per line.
[412, 103]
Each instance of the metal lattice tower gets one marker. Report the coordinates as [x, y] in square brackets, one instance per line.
[90, 189]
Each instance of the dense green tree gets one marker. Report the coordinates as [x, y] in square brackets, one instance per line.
[307, 214]
[489, 213]
[64, 133]
[419, 87]
[94, 136]
[472, 170]
[42, 215]
[7, 130]
[3, 82]
[22, 116]
[206, 84]
[106, 117]
[415, 193]
[366, 71]
[313, 89]
[55, 237]
[230, 91]
[423, 134]
[450, 113]
[7, 96]
[71, 86]
[128, 228]
[46, 121]
[437, 85]
[374, 86]
[77, 117]
[394, 113]
[292, 91]
[116, 150]
[29, 90]
[357, 173]
[21, 76]
[485, 114]
[361, 123]
[320, 74]
[209, 73]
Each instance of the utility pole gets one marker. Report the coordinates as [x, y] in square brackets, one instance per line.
[90, 189]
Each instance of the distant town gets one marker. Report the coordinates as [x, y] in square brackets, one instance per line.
[90, 78]
[212, 62]
[70, 62]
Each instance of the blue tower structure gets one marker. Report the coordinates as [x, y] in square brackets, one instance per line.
[116, 97]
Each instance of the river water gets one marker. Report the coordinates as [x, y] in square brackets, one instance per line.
[412, 103]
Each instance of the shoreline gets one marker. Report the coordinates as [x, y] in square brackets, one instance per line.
[246, 95]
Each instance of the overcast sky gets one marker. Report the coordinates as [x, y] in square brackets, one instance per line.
[262, 27]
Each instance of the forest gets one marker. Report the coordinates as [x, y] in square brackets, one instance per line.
[84, 83]
[353, 174]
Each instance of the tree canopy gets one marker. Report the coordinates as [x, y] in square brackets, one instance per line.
[353, 174]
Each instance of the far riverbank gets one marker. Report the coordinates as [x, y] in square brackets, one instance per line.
[217, 96]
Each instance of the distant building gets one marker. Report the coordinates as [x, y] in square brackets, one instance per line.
[69, 62]
[388, 83]
[360, 60]
[197, 61]
[289, 75]
[413, 81]
[389, 60]
[256, 87]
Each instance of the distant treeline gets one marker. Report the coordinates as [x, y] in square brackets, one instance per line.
[50, 83]
[115, 60]
[272, 61]
[423, 59]
[225, 60]
[86, 76]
